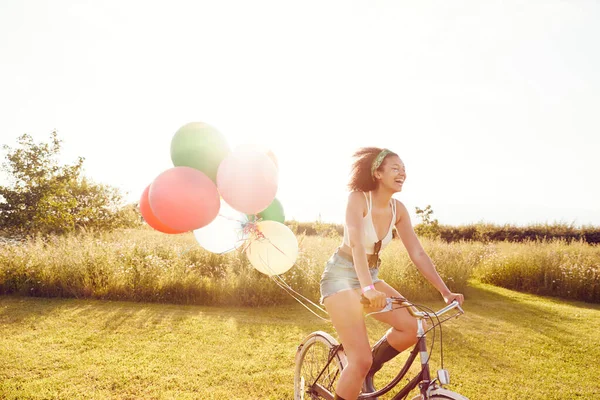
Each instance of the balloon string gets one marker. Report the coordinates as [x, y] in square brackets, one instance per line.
[284, 285]
[252, 230]
[299, 294]
[229, 218]
[288, 289]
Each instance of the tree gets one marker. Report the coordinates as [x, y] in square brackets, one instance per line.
[428, 227]
[45, 197]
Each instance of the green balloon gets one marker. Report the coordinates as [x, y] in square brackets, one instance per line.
[274, 212]
[200, 146]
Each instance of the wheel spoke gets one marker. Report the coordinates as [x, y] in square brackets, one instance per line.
[316, 356]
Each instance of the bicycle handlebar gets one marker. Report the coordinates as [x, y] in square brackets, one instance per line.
[390, 301]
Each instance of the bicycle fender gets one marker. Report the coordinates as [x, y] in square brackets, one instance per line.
[447, 394]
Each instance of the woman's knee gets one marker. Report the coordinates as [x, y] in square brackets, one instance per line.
[361, 362]
[413, 328]
[409, 330]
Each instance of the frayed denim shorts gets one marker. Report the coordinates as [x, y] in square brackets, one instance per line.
[340, 275]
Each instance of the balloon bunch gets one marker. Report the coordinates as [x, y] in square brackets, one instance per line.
[227, 198]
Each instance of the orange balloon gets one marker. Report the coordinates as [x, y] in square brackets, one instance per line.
[149, 216]
[184, 198]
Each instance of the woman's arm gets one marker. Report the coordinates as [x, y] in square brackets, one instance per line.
[354, 223]
[418, 256]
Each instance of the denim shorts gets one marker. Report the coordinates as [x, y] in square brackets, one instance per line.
[340, 275]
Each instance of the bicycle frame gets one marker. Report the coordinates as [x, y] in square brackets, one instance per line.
[422, 379]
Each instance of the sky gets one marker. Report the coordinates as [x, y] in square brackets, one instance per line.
[493, 106]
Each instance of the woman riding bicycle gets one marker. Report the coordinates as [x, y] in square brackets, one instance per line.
[371, 214]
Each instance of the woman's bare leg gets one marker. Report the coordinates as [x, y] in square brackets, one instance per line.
[346, 313]
[403, 331]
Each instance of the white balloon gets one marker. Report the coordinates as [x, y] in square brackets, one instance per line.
[275, 250]
[225, 233]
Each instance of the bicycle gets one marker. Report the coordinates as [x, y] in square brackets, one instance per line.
[320, 360]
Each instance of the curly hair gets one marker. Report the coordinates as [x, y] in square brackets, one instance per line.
[361, 178]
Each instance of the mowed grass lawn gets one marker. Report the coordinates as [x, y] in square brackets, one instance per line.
[508, 345]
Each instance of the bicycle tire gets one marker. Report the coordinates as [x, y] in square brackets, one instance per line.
[311, 357]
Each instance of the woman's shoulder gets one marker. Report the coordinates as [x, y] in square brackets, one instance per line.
[357, 194]
[358, 197]
[399, 204]
[357, 200]
[400, 209]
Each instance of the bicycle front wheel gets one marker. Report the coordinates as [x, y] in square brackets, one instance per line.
[311, 359]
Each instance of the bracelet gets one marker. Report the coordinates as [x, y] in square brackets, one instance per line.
[367, 288]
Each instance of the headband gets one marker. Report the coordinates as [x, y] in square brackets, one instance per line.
[378, 160]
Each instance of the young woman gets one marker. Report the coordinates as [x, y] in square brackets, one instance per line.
[371, 213]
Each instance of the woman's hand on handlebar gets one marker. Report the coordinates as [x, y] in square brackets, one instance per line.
[376, 298]
[450, 297]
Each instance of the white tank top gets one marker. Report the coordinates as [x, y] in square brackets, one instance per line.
[370, 236]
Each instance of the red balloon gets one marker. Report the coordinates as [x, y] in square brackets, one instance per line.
[149, 216]
[184, 198]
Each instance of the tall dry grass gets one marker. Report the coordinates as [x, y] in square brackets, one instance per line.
[144, 265]
[556, 268]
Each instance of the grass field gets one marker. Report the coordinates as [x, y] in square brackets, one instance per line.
[508, 345]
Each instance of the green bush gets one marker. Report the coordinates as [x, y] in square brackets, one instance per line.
[509, 233]
[481, 232]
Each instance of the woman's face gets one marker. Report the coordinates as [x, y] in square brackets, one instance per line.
[392, 173]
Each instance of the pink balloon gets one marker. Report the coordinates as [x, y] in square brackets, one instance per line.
[184, 199]
[259, 148]
[247, 180]
[149, 216]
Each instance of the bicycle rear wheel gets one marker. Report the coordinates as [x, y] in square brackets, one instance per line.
[311, 357]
